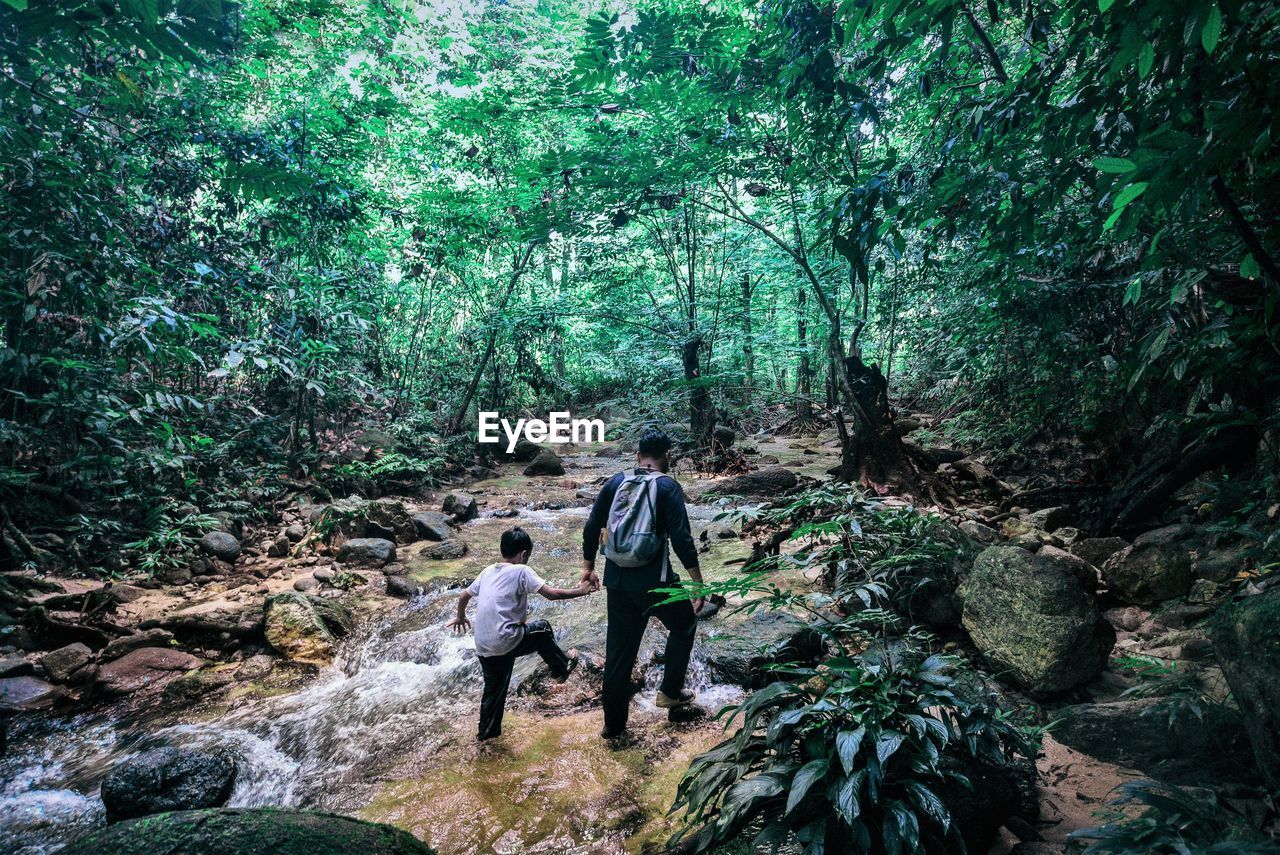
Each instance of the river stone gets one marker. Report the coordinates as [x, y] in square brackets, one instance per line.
[546, 463]
[460, 506]
[445, 550]
[354, 517]
[1161, 738]
[367, 551]
[167, 779]
[247, 831]
[1219, 565]
[400, 586]
[432, 525]
[60, 664]
[1032, 616]
[306, 584]
[980, 532]
[724, 435]
[1246, 641]
[15, 666]
[769, 481]
[27, 693]
[295, 532]
[1096, 550]
[146, 667]
[1050, 519]
[305, 628]
[1156, 568]
[221, 546]
[736, 654]
[524, 451]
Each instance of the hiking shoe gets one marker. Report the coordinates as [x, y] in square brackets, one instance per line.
[618, 740]
[683, 699]
[573, 666]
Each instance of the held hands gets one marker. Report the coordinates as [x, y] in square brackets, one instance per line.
[589, 576]
[459, 625]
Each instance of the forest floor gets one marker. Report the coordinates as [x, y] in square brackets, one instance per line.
[386, 731]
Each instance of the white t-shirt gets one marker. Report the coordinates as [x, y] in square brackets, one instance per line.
[502, 604]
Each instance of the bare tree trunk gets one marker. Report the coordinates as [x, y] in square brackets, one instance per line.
[702, 419]
[804, 371]
[748, 346]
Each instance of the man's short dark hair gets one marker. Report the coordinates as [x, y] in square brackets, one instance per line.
[653, 443]
[514, 541]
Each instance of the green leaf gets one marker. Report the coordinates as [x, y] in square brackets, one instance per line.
[847, 744]
[1104, 5]
[1133, 292]
[1146, 59]
[1212, 30]
[810, 773]
[20, 5]
[1114, 165]
[1249, 268]
[1128, 194]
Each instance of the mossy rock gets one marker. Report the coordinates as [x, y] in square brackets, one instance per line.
[248, 831]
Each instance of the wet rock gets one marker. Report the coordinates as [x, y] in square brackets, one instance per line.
[769, 481]
[221, 545]
[247, 831]
[355, 518]
[1219, 565]
[344, 580]
[168, 779]
[432, 525]
[980, 532]
[1161, 738]
[768, 460]
[992, 794]
[306, 628]
[144, 668]
[60, 664]
[1203, 591]
[367, 551]
[402, 587]
[1128, 618]
[482, 473]
[195, 685]
[737, 654]
[523, 452]
[1050, 519]
[505, 513]
[1246, 640]
[27, 693]
[1034, 618]
[460, 506]
[546, 463]
[445, 550]
[151, 638]
[1155, 568]
[16, 666]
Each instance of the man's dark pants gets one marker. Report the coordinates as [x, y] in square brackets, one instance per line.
[629, 613]
[538, 638]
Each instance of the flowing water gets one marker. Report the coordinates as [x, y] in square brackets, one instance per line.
[398, 704]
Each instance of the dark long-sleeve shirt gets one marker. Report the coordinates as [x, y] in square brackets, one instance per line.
[672, 522]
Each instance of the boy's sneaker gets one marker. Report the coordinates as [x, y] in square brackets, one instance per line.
[573, 666]
[667, 702]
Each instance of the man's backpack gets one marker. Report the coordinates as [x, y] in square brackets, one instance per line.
[631, 538]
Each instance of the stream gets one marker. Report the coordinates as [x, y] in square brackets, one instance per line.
[386, 731]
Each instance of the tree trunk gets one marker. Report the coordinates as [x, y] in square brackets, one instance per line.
[748, 347]
[804, 371]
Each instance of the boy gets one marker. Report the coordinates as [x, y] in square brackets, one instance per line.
[502, 606]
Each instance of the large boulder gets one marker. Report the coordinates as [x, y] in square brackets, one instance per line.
[546, 463]
[1160, 738]
[221, 545]
[354, 518]
[367, 551]
[60, 664]
[737, 653]
[445, 550]
[433, 525]
[1096, 550]
[461, 507]
[125, 644]
[769, 481]
[27, 693]
[166, 779]
[144, 668]
[1050, 519]
[1157, 567]
[1246, 641]
[1035, 618]
[523, 452]
[247, 831]
[306, 628]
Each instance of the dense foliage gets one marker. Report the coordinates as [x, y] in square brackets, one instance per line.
[235, 233]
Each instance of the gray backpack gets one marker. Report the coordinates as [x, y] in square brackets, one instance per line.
[632, 539]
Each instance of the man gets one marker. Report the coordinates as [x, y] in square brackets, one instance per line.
[631, 597]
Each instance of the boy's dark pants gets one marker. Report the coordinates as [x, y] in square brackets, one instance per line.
[538, 638]
[629, 613]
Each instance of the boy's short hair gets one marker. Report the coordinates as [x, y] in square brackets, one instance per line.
[653, 443]
[514, 541]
